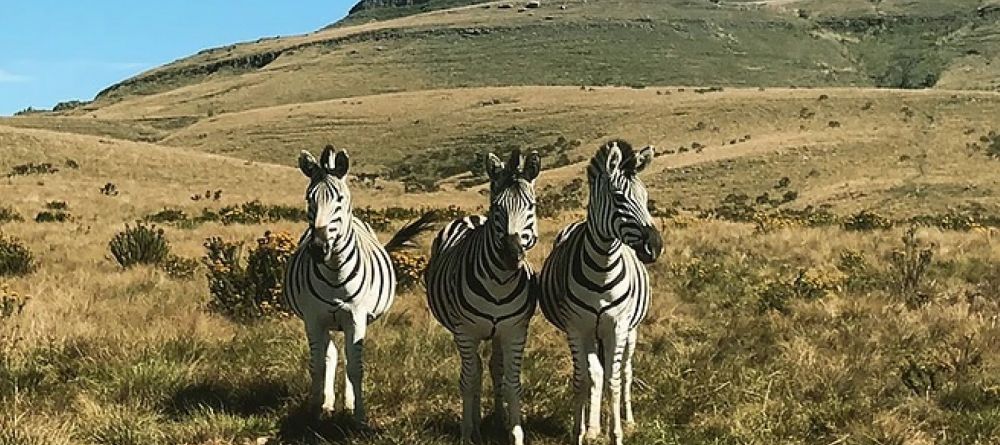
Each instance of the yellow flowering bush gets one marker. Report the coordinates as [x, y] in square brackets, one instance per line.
[409, 269]
[11, 303]
[250, 291]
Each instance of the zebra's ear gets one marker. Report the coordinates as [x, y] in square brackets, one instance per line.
[494, 167]
[307, 163]
[341, 164]
[614, 160]
[326, 159]
[532, 165]
[644, 158]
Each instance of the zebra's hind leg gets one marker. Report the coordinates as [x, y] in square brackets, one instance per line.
[320, 349]
[354, 349]
[513, 351]
[627, 375]
[471, 386]
[581, 386]
[613, 348]
[497, 374]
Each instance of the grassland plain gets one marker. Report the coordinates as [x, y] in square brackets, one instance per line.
[792, 335]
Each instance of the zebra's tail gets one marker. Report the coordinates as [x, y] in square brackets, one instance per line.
[404, 237]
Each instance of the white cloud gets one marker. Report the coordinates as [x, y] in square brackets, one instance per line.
[9, 77]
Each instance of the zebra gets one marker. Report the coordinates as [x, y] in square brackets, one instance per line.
[480, 287]
[339, 278]
[595, 287]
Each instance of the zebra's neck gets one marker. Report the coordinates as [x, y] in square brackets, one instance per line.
[491, 244]
[341, 251]
[602, 249]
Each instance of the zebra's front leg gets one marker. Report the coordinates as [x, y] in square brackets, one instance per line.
[497, 374]
[513, 351]
[627, 374]
[354, 349]
[612, 354]
[348, 388]
[596, 372]
[471, 386]
[322, 365]
[581, 386]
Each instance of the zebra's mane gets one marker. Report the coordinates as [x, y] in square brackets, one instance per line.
[599, 162]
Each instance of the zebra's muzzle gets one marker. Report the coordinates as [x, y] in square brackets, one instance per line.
[649, 249]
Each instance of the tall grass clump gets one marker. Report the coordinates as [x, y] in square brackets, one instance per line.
[248, 291]
[909, 267]
[15, 257]
[140, 244]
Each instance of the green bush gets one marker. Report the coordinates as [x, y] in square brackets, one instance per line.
[552, 202]
[57, 205]
[992, 141]
[866, 221]
[15, 258]
[141, 244]
[43, 168]
[252, 291]
[8, 214]
[46, 216]
[167, 215]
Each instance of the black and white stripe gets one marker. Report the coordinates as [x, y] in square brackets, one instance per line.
[595, 288]
[480, 287]
[339, 278]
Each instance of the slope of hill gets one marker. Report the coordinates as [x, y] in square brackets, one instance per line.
[603, 42]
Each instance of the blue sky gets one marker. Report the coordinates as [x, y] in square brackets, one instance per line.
[51, 51]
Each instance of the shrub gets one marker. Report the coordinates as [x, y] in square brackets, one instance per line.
[33, 169]
[909, 265]
[141, 244]
[256, 212]
[8, 214]
[992, 141]
[809, 284]
[253, 291]
[866, 221]
[52, 216]
[15, 258]
[953, 220]
[57, 205]
[859, 275]
[734, 207]
[11, 303]
[552, 202]
[167, 215]
[179, 267]
[409, 269]
[109, 189]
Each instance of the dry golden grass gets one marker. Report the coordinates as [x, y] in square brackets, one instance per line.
[106, 356]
